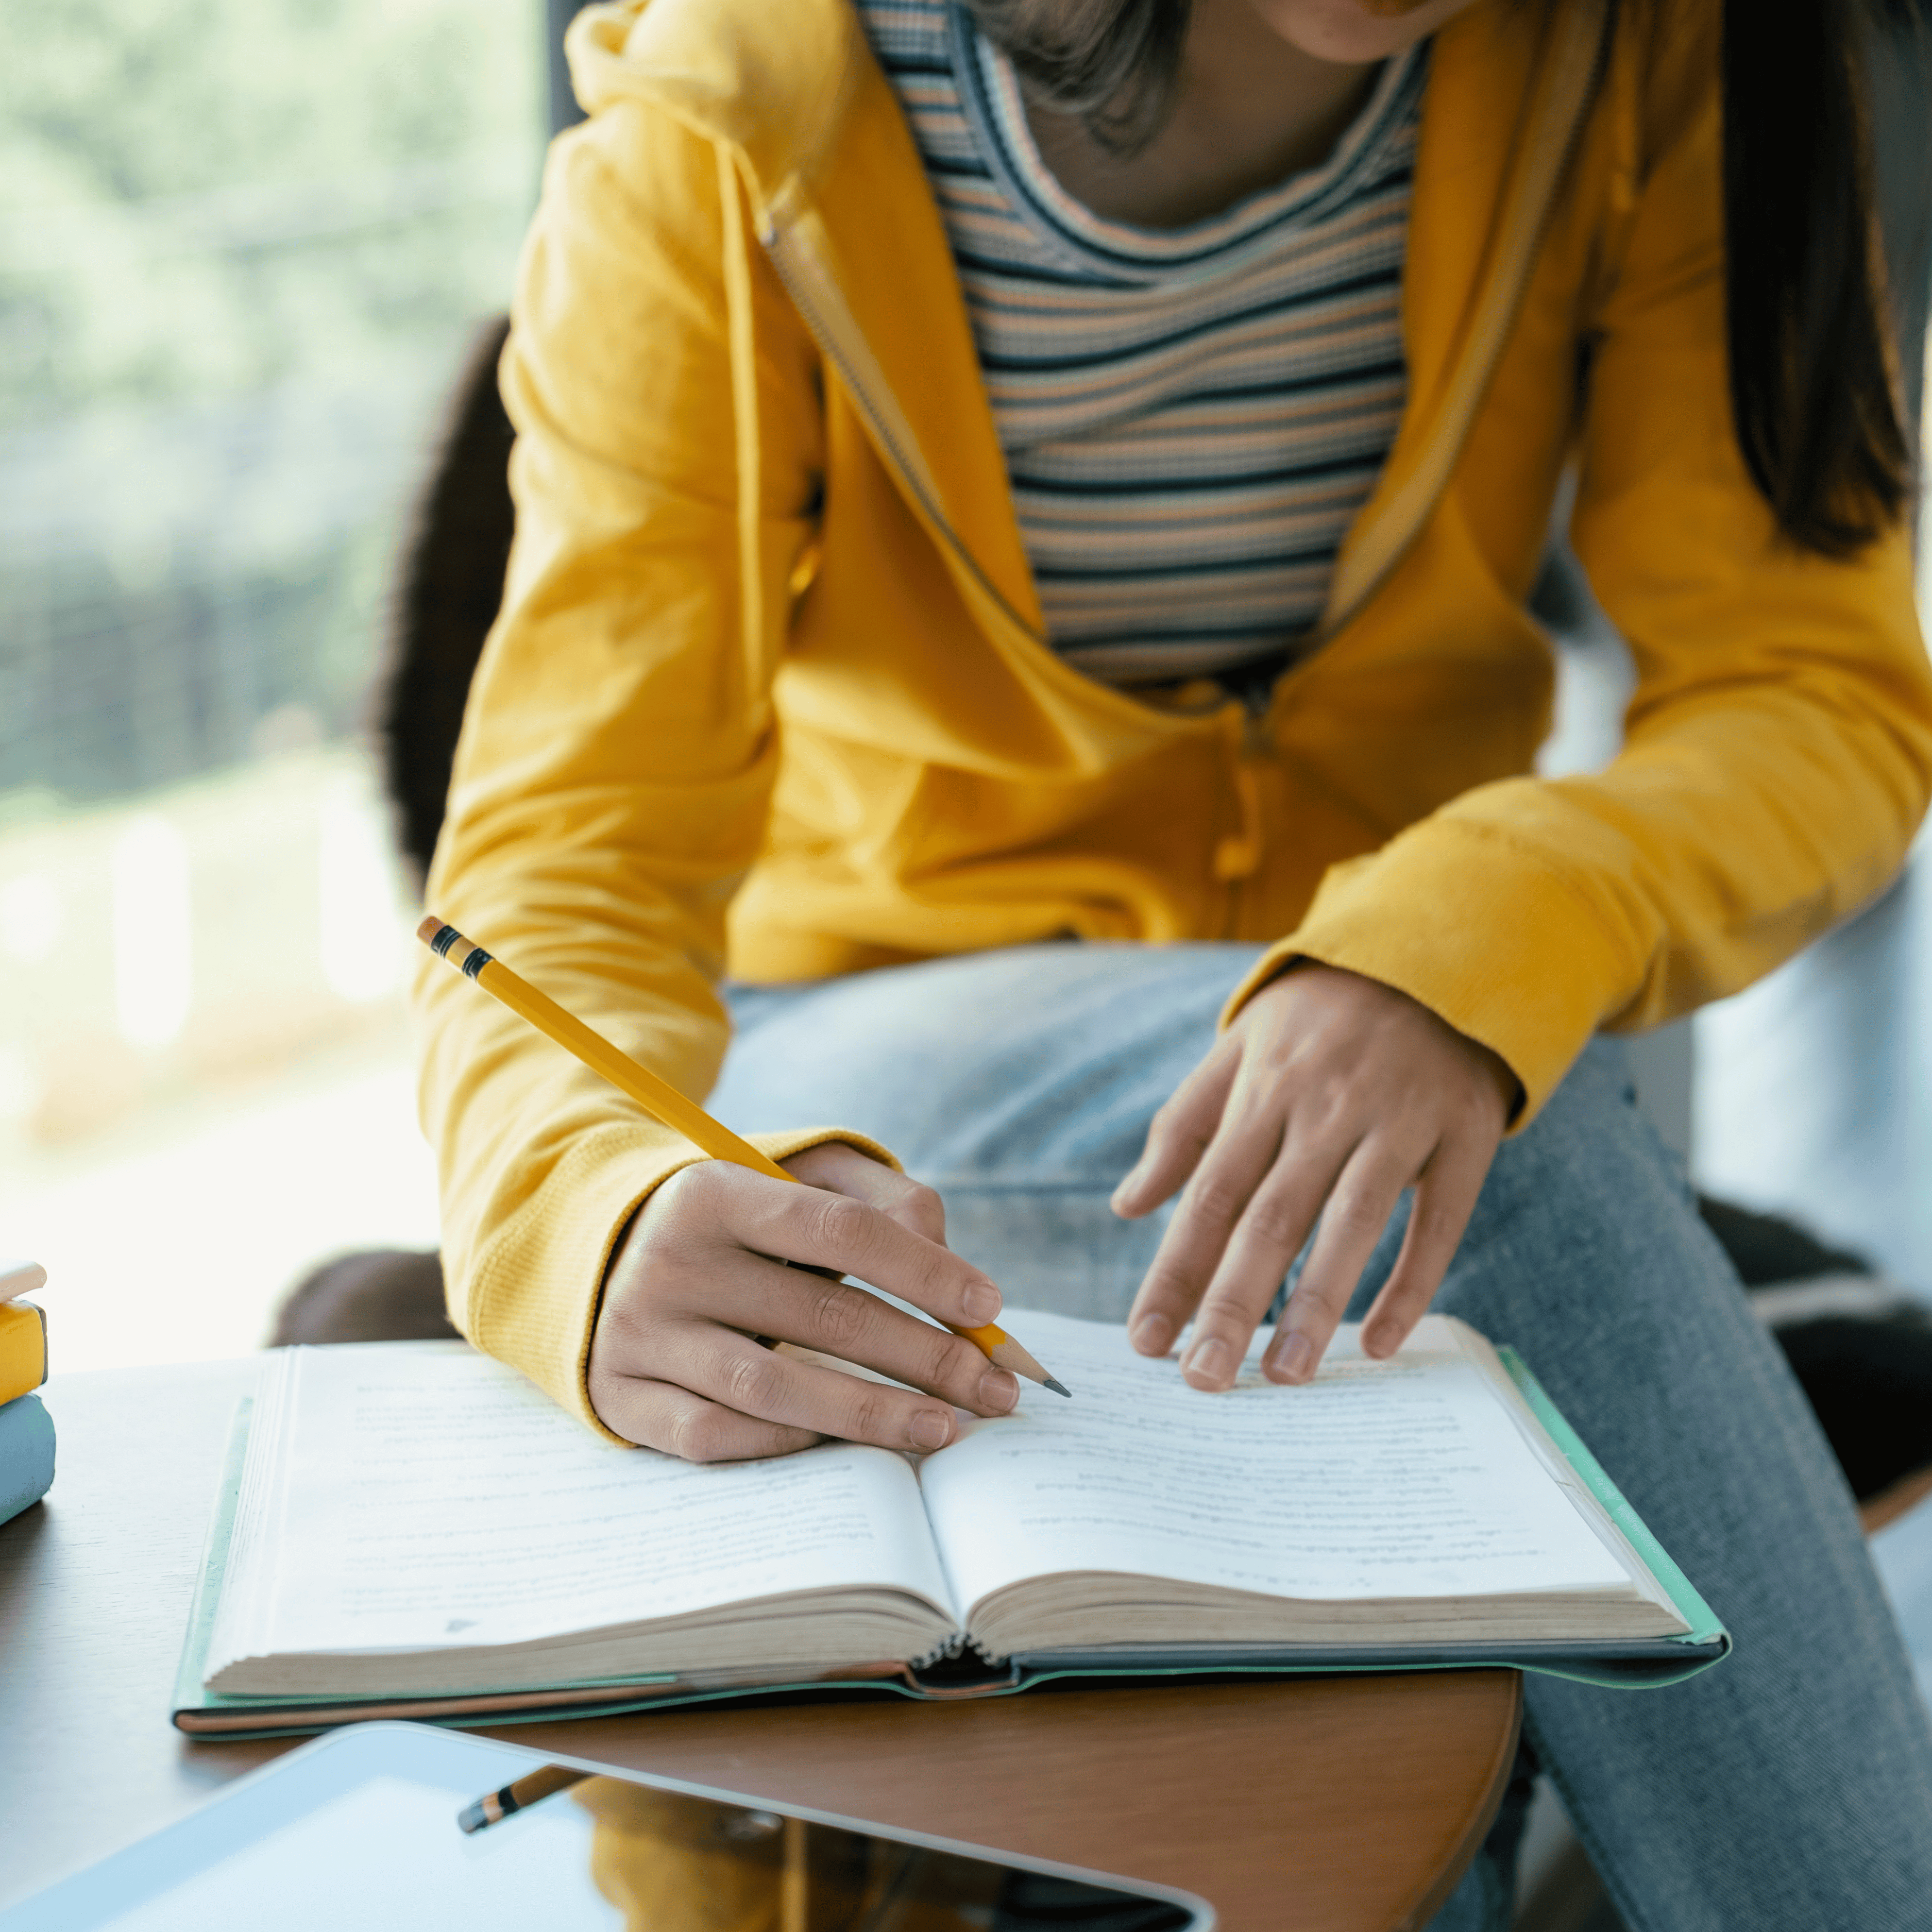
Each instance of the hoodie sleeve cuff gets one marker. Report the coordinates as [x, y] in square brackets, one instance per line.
[1477, 930]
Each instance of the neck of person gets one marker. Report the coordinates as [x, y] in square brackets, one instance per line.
[1249, 109]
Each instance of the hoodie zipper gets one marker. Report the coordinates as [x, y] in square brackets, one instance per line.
[1248, 746]
[1249, 740]
[1579, 66]
[851, 359]
[1248, 725]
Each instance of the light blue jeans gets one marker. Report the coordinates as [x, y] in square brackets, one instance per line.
[1789, 1787]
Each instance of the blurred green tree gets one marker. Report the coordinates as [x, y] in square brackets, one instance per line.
[198, 197]
[242, 243]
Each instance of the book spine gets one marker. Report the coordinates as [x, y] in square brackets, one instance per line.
[26, 1454]
[23, 1348]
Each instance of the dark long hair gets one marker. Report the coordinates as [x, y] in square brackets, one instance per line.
[1812, 391]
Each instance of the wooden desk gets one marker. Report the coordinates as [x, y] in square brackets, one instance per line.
[1339, 1804]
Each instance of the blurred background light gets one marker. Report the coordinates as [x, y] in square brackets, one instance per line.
[244, 245]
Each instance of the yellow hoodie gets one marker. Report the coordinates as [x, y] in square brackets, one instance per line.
[770, 692]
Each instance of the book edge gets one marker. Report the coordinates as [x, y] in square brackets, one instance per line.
[28, 1470]
[12, 1392]
[1649, 1671]
[188, 1692]
[1706, 1627]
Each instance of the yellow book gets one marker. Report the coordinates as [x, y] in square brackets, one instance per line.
[23, 1348]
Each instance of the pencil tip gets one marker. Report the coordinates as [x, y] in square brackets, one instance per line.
[1058, 1389]
[472, 1817]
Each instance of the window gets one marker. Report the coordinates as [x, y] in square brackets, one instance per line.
[243, 246]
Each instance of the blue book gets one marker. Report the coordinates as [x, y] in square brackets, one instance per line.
[26, 1454]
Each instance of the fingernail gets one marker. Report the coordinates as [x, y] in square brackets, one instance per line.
[1208, 1359]
[931, 1429]
[998, 1390]
[1294, 1358]
[981, 1302]
[1152, 1334]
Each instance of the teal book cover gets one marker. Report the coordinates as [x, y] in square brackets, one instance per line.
[26, 1454]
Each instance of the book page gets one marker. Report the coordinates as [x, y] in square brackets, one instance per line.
[430, 1496]
[1397, 1479]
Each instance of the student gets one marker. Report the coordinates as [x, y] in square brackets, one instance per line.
[1024, 517]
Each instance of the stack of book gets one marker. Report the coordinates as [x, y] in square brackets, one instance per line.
[26, 1429]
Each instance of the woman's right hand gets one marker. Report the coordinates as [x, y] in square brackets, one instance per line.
[675, 1363]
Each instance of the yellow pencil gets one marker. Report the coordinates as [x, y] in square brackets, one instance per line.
[494, 1807]
[659, 1098]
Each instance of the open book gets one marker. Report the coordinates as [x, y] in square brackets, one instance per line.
[417, 1528]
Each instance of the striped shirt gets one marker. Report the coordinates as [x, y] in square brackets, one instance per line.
[1191, 417]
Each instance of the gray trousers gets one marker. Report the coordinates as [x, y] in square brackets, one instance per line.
[1790, 1787]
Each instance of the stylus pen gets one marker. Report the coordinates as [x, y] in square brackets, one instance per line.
[494, 1807]
[659, 1098]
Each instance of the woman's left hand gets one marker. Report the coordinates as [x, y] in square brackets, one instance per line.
[1328, 1095]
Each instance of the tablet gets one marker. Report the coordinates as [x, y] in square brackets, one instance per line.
[393, 1825]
